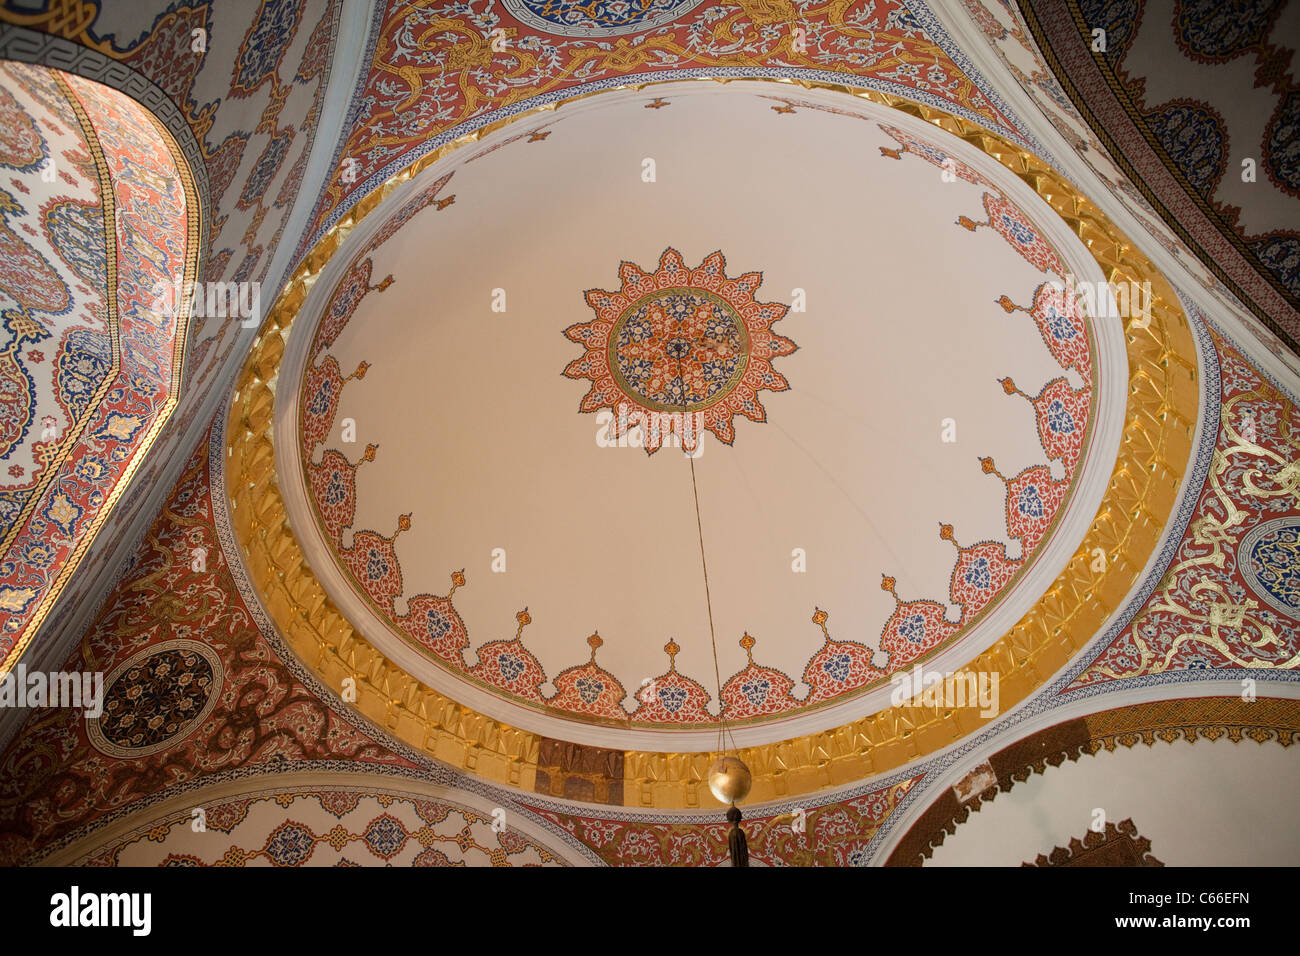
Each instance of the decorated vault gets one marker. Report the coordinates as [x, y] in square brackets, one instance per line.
[435, 434]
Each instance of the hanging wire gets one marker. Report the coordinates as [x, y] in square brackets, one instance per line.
[723, 731]
[708, 602]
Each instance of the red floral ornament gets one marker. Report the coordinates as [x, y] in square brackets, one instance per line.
[679, 350]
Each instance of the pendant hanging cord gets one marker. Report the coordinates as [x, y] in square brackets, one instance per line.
[708, 602]
[723, 732]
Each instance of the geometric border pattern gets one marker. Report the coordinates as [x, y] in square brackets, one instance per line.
[293, 841]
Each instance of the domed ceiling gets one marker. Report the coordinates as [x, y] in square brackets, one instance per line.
[433, 590]
[897, 423]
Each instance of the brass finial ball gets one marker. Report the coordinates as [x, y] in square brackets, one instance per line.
[730, 780]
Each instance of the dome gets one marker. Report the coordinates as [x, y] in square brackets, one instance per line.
[507, 398]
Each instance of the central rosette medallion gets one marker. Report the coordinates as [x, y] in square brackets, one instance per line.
[679, 350]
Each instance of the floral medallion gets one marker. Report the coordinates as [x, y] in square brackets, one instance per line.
[1269, 559]
[156, 698]
[679, 350]
[603, 18]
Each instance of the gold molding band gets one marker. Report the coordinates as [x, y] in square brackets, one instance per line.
[1160, 423]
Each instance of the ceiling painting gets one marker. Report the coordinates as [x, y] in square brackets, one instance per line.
[1200, 108]
[836, 835]
[166, 594]
[690, 342]
[1147, 730]
[102, 214]
[327, 825]
[177, 612]
[436, 720]
[632, 367]
[1228, 599]
[1010, 40]
[243, 107]
[677, 351]
[440, 71]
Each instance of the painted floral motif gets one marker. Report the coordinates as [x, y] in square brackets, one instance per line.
[577, 18]
[262, 712]
[429, 196]
[915, 628]
[156, 698]
[671, 697]
[265, 169]
[17, 396]
[512, 667]
[75, 230]
[932, 154]
[432, 622]
[107, 401]
[1195, 138]
[1280, 253]
[686, 342]
[981, 572]
[1269, 558]
[756, 691]
[835, 835]
[322, 388]
[442, 55]
[589, 689]
[331, 827]
[1014, 226]
[1217, 32]
[22, 147]
[1200, 215]
[264, 45]
[671, 337]
[154, 48]
[1119, 18]
[678, 350]
[839, 667]
[1060, 321]
[1203, 614]
[1062, 413]
[1282, 145]
[82, 362]
[372, 559]
[1033, 497]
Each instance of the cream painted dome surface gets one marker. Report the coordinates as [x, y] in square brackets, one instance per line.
[901, 429]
